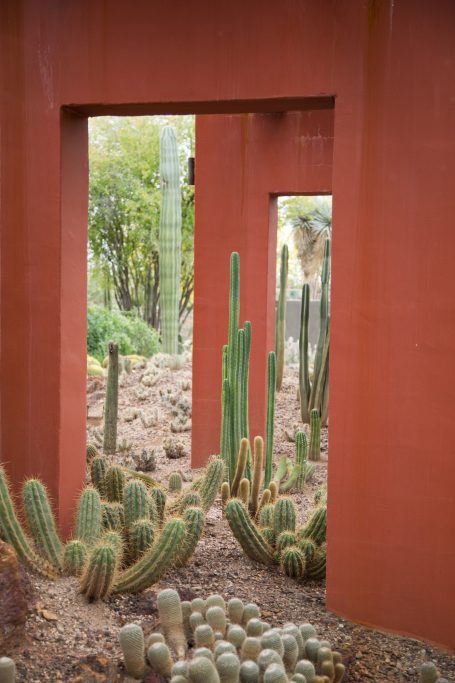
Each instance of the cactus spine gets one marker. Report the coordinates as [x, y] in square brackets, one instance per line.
[113, 516]
[170, 239]
[88, 517]
[111, 401]
[280, 329]
[41, 522]
[11, 531]
[271, 380]
[315, 435]
[152, 565]
[284, 516]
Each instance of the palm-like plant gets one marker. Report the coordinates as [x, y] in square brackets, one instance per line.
[310, 232]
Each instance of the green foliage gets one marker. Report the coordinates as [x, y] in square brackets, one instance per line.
[124, 212]
[131, 333]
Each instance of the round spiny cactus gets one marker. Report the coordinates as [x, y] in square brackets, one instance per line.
[175, 481]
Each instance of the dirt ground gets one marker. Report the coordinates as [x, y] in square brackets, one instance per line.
[67, 639]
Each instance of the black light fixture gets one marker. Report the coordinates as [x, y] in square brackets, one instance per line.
[190, 170]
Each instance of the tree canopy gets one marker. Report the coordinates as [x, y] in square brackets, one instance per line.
[124, 212]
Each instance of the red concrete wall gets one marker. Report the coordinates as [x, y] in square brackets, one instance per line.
[391, 68]
[242, 163]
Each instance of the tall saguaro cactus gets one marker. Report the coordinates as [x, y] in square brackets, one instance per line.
[170, 240]
[111, 401]
[280, 329]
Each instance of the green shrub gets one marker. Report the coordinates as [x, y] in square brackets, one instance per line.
[131, 333]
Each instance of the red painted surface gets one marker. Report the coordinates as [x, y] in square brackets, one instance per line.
[243, 163]
[391, 67]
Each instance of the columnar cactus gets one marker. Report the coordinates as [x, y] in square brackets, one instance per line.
[41, 522]
[159, 498]
[131, 639]
[280, 328]
[315, 435]
[135, 502]
[155, 562]
[271, 382]
[316, 527]
[91, 452]
[171, 618]
[194, 520]
[141, 537]
[240, 466]
[175, 481]
[74, 557]
[111, 401]
[304, 374]
[246, 532]
[211, 482]
[114, 483]
[258, 464]
[170, 240]
[113, 515]
[11, 531]
[284, 516]
[7, 670]
[98, 473]
[88, 516]
[293, 562]
[99, 574]
[301, 456]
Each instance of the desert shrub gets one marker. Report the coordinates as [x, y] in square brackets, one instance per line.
[131, 333]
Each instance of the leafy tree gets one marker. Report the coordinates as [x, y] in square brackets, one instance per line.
[124, 211]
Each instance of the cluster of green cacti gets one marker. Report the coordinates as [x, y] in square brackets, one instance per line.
[292, 475]
[170, 238]
[229, 643]
[265, 525]
[124, 536]
[234, 394]
[315, 395]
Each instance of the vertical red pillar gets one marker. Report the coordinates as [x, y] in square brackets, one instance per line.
[242, 163]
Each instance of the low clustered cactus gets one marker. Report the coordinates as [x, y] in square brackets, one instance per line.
[209, 641]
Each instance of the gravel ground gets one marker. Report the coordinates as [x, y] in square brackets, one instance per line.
[67, 639]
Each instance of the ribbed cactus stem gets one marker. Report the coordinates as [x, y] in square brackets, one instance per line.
[225, 493]
[98, 472]
[211, 482]
[135, 502]
[113, 515]
[159, 498]
[111, 401]
[141, 537]
[7, 670]
[194, 520]
[74, 557]
[315, 435]
[246, 533]
[240, 468]
[11, 531]
[293, 562]
[284, 516]
[245, 384]
[232, 357]
[99, 574]
[131, 639]
[237, 387]
[88, 516]
[114, 483]
[41, 522]
[304, 374]
[322, 345]
[280, 330]
[170, 240]
[225, 437]
[175, 481]
[258, 464]
[244, 491]
[155, 562]
[301, 456]
[171, 618]
[271, 383]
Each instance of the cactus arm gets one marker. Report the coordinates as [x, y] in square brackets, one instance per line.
[170, 240]
[194, 520]
[271, 380]
[211, 483]
[11, 531]
[41, 522]
[239, 470]
[232, 360]
[111, 401]
[245, 382]
[258, 464]
[280, 331]
[315, 435]
[89, 516]
[324, 322]
[246, 532]
[304, 377]
[155, 562]
[99, 574]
